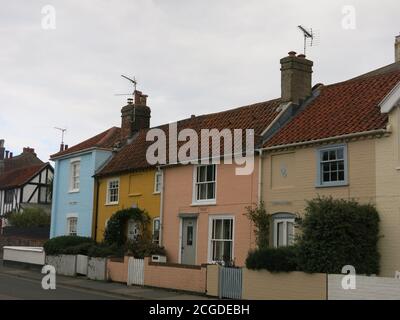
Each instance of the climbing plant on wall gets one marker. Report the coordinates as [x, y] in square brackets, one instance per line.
[114, 233]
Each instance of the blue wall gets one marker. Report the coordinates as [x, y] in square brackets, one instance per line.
[78, 203]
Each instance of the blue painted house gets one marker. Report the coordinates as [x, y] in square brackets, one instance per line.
[74, 185]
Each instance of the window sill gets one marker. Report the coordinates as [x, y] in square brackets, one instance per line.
[345, 184]
[134, 195]
[208, 203]
[157, 192]
[73, 191]
[112, 204]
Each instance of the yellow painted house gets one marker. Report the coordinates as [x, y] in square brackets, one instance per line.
[133, 189]
[127, 180]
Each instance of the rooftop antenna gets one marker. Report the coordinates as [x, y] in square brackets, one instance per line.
[63, 130]
[134, 81]
[308, 35]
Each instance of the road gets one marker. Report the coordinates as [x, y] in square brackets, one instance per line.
[16, 288]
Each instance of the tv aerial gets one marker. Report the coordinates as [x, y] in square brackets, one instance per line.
[134, 81]
[310, 37]
[63, 130]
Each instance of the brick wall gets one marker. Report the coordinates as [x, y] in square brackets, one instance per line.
[16, 241]
[175, 276]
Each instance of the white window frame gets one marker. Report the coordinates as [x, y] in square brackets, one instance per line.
[109, 181]
[319, 182]
[210, 225]
[70, 217]
[159, 230]
[74, 162]
[285, 221]
[196, 201]
[158, 184]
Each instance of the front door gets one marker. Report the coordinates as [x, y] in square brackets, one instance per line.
[188, 247]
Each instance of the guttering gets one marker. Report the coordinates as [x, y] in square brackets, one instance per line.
[344, 136]
[67, 155]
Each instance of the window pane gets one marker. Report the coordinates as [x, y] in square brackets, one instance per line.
[290, 233]
[227, 251]
[210, 173]
[326, 177]
[340, 153]
[325, 156]
[227, 229]
[217, 229]
[332, 155]
[280, 235]
[210, 191]
[334, 176]
[189, 236]
[217, 250]
[341, 175]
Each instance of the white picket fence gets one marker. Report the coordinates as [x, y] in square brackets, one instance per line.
[135, 271]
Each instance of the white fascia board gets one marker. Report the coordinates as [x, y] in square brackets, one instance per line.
[391, 100]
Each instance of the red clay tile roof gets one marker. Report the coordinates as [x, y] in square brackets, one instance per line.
[342, 108]
[25, 159]
[257, 116]
[19, 177]
[104, 140]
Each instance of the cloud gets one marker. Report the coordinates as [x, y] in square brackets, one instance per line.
[190, 57]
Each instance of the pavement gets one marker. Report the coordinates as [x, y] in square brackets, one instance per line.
[18, 283]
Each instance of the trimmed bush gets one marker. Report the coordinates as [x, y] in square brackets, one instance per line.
[335, 233]
[283, 259]
[104, 250]
[144, 247]
[65, 244]
[30, 217]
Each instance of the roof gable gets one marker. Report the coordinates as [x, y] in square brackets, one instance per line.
[19, 177]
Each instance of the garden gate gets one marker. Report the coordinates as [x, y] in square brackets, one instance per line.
[135, 271]
[230, 282]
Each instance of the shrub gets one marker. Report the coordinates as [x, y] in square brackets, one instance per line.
[82, 248]
[30, 217]
[143, 247]
[104, 250]
[114, 232]
[261, 220]
[61, 245]
[335, 233]
[283, 259]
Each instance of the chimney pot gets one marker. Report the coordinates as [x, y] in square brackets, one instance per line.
[7, 152]
[2, 149]
[11, 155]
[301, 56]
[61, 147]
[292, 53]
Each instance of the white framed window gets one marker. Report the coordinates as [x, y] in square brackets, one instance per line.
[72, 226]
[158, 178]
[75, 175]
[205, 184]
[113, 191]
[283, 232]
[221, 235]
[156, 230]
[332, 166]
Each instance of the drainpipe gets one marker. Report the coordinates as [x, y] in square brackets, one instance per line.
[260, 175]
[161, 205]
[96, 209]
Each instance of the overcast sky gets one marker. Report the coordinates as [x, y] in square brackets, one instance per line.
[190, 57]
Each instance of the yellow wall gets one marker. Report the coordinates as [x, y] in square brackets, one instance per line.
[136, 188]
[289, 193]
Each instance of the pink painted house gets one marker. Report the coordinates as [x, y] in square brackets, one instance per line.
[203, 206]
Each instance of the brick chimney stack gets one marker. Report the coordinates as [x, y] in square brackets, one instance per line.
[296, 78]
[29, 150]
[397, 49]
[2, 149]
[135, 115]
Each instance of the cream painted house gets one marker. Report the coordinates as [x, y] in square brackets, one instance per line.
[344, 143]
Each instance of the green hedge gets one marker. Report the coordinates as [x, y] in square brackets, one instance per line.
[283, 259]
[144, 247]
[104, 250]
[67, 245]
[335, 233]
[30, 217]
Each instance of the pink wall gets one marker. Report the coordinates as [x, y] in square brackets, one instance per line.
[175, 277]
[117, 269]
[234, 194]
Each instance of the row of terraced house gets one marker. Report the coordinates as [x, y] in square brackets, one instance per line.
[340, 140]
